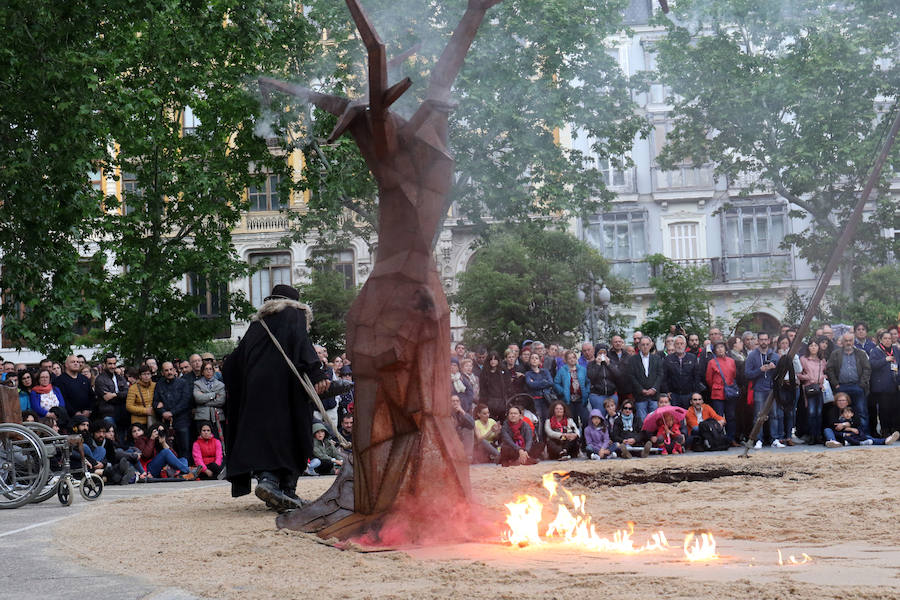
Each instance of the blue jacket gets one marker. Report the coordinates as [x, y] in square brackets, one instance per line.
[36, 401]
[762, 381]
[882, 380]
[536, 383]
[563, 384]
[866, 346]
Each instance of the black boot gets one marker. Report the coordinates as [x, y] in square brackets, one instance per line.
[288, 486]
[268, 490]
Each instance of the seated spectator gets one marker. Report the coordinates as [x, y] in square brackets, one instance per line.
[847, 431]
[209, 397]
[517, 440]
[157, 453]
[487, 436]
[465, 425]
[207, 451]
[610, 412]
[596, 437]
[346, 427]
[117, 468]
[25, 384]
[696, 414]
[561, 432]
[668, 435]
[324, 450]
[126, 456]
[45, 396]
[628, 434]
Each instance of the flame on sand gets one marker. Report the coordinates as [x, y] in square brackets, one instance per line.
[573, 526]
[792, 560]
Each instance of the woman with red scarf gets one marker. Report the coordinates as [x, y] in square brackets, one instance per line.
[44, 395]
[562, 433]
[517, 443]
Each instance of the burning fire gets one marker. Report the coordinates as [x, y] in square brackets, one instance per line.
[573, 526]
[792, 560]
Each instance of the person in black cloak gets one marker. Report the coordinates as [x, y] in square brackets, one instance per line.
[269, 415]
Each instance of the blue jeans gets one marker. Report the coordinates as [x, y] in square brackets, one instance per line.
[644, 407]
[859, 404]
[814, 410]
[597, 401]
[783, 417]
[166, 457]
[759, 400]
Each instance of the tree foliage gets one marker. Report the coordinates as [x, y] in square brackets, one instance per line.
[535, 66]
[875, 302]
[792, 96]
[679, 298]
[524, 283]
[330, 300]
[104, 85]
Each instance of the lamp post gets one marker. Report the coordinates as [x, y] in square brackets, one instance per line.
[603, 297]
[598, 293]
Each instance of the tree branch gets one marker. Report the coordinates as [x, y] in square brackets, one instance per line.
[808, 207]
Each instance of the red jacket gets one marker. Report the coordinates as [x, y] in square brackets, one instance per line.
[714, 380]
[206, 452]
[708, 413]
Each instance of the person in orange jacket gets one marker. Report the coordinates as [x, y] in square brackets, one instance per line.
[697, 413]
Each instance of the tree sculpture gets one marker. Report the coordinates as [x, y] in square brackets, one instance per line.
[408, 461]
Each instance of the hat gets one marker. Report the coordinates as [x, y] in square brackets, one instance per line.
[78, 419]
[346, 370]
[601, 346]
[208, 356]
[283, 292]
[318, 427]
[527, 343]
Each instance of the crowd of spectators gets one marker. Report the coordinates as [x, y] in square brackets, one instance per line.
[542, 401]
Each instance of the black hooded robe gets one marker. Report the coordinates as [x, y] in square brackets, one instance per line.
[269, 415]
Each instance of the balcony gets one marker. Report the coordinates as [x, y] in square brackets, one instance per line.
[685, 177]
[719, 269]
[265, 222]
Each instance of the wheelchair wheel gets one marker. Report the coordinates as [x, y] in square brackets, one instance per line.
[24, 465]
[65, 491]
[91, 486]
[49, 489]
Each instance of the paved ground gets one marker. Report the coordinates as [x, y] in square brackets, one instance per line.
[30, 566]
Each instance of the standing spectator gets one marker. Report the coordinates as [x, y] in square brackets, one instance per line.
[646, 378]
[693, 345]
[465, 366]
[209, 398]
[139, 402]
[459, 351]
[848, 370]
[207, 453]
[720, 372]
[619, 358]
[759, 368]
[603, 379]
[172, 403]
[743, 421]
[562, 434]
[513, 379]
[525, 359]
[681, 373]
[492, 387]
[786, 402]
[461, 386]
[196, 363]
[861, 339]
[155, 375]
[587, 354]
[636, 341]
[25, 384]
[541, 387]
[45, 396]
[812, 378]
[572, 386]
[883, 397]
[75, 388]
[111, 390]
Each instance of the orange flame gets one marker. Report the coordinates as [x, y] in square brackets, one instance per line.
[523, 520]
[701, 548]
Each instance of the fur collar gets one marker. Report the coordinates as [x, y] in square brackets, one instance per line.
[275, 306]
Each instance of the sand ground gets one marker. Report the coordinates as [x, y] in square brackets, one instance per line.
[838, 506]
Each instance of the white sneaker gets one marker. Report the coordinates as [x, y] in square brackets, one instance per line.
[868, 442]
[892, 438]
[777, 444]
[832, 444]
[595, 457]
[758, 445]
[613, 455]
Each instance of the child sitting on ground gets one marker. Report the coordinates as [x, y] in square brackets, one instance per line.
[847, 430]
[325, 452]
[668, 436]
[596, 436]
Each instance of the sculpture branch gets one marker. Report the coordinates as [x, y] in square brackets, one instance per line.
[327, 102]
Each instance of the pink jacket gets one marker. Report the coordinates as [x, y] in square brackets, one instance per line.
[206, 452]
[813, 370]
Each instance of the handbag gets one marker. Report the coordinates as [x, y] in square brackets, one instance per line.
[732, 391]
[812, 389]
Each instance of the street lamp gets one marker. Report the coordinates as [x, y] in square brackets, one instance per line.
[598, 295]
[603, 297]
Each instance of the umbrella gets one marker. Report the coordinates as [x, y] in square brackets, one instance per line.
[651, 422]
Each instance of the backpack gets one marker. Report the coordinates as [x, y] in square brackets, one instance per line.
[712, 436]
